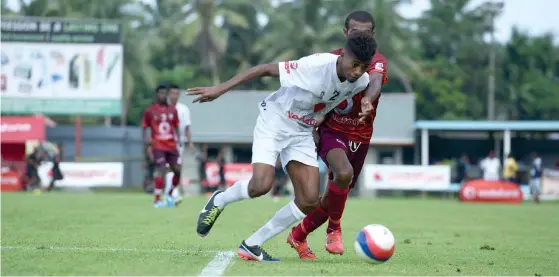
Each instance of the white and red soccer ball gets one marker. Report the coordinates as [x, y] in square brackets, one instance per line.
[375, 244]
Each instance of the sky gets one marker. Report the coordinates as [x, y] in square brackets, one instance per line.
[533, 16]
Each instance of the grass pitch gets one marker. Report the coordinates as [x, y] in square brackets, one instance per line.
[121, 234]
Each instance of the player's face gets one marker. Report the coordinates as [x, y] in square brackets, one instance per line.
[174, 95]
[353, 68]
[162, 96]
[356, 26]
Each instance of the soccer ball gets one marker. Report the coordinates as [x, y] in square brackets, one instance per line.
[374, 244]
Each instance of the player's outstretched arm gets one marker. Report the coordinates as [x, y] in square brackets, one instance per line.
[207, 94]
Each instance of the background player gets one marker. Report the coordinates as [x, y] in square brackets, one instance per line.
[310, 87]
[162, 119]
[184, 136]
[344, 143]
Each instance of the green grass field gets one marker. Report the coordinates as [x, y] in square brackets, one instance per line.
[121, 234]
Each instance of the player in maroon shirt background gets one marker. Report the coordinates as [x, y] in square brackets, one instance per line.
[343, 142]
[163, 121]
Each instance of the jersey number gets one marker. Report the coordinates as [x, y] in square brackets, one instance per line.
[336, 94]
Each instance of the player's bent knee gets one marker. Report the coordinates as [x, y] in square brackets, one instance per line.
[260, 185]
[343, 177]
[307, 202]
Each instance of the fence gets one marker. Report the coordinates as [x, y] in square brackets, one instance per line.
[105, 144]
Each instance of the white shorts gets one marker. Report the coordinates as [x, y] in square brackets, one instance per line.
[535, 186]
[269, 142]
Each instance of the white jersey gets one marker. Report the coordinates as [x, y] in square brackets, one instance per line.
[490, 167]
[310, 88]
[184, 120]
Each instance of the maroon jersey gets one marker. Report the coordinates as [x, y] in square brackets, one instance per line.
[344, 119]
[163, 121]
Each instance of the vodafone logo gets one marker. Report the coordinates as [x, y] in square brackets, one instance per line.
[499, 193]
[377, 176]
[15, 128]
[469, 193]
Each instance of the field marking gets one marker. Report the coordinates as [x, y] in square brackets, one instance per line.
[98, 249]
[218, 265]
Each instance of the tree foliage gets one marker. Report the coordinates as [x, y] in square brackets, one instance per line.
[442, 56]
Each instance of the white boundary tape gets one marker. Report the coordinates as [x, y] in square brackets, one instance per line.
[216, 267]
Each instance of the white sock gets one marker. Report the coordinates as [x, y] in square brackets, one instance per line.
[168, 182]
[236, 192]
[283, 219]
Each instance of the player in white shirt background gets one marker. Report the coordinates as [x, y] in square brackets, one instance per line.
[185, 137]
[310, 87]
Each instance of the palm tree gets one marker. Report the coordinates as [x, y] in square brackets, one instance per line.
[210, 39]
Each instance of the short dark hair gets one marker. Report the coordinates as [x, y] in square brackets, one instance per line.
[173, 86]
[362, 44]
[360, 16]
[161, 86]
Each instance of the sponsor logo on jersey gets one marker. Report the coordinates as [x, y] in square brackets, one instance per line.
[296, 117]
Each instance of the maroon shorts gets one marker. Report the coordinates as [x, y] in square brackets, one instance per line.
[162, 157]
[355, 152]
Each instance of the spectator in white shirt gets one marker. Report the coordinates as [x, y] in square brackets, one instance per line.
[185, 137]
[491, 166]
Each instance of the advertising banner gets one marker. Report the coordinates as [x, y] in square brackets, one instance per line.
[84, 175]
[490, 191]
[19, 129]
[407, 177]
[11, 179]
[61, 66]
[550, 184]
[233, 172]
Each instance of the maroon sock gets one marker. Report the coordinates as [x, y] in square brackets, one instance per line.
[159, 185]
[174, 183]
[311, 222]
[336, 203]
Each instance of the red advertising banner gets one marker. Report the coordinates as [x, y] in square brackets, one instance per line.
[490, 191]
[233, 172]
[22, 128]
[11, 180]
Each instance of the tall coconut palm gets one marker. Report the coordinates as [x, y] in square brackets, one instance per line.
[210, 39]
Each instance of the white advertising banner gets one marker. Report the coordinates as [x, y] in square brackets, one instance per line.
[407, 177]
[550, 184]
[85, 175]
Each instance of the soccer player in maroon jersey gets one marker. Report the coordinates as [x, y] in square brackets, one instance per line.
[343, 142]
[163, 120]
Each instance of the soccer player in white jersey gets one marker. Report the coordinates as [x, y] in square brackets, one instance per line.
[310, 87]
[172, 180]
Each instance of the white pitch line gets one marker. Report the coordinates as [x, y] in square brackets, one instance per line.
[96, 249]
[218, 265]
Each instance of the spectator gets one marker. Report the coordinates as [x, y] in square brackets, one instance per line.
[202, 158]
[463, 167]
[490, 166]
[535, 176]
[510, 170]
[220, 159]
[32, 170]
[56, 172]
